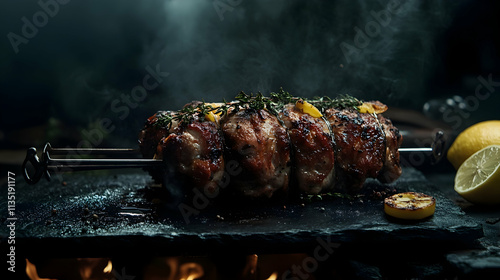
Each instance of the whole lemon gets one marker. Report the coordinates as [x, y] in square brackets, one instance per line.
[473, 139]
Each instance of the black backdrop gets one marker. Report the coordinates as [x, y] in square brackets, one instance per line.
[71, 67]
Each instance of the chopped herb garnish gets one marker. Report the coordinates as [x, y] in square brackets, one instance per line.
[274, 104]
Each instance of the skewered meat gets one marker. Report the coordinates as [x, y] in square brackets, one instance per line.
[312, 150]
[153, 132]
[257, 141]
[192, 151]
[276, 149]
[193, 155]
[359, 146]
[392, 168]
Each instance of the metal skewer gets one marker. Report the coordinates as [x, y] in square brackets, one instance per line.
[47, 164]
[436, 149]
[413, 150]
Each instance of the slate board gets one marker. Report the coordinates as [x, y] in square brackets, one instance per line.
[98, 213]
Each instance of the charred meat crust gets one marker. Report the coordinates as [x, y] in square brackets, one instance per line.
[256, 140]
[311, 155]
[312, 150]
[194, 152]
[359, 147]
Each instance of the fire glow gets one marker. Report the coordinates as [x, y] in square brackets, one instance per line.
[80, 268]
[253, 267]
[32, 273]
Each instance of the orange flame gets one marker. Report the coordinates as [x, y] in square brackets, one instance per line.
[32, 273]
[92, 268]
[108, 268]
[273, 276]
[250, 266]
[184, 271]
[190, 271]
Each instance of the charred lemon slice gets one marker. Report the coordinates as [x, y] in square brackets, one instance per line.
[410, 206]
[308, 108]
[371, 107]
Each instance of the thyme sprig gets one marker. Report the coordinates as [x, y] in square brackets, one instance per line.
[343, 101]
[274, 104]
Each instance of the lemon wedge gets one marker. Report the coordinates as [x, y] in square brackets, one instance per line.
[212, 117]
[308, 108]
[478, 178]
[410, 206]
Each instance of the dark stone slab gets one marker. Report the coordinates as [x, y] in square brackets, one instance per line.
[111, 214]
[476, 264]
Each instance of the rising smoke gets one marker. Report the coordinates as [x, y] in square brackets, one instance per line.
[92, 52]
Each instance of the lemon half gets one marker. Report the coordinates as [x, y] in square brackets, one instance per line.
[478, 178]
[410, 205]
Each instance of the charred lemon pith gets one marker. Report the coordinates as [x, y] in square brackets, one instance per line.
[410, 206]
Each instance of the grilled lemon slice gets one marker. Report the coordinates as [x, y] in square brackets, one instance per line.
[410, 205]
[371, 107]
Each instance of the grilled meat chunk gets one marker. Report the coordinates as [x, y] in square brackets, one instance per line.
[392, 168]
[308, 153]
[359, 147]
[151, 135]
[312, 150]
[256, 140]
[153, 132]
[193, 156]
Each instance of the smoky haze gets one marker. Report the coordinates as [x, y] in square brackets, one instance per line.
[90, 54]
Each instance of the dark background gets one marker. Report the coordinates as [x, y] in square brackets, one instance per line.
[63, 82]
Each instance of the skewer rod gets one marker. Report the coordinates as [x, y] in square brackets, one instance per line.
[46, 164]
[410, 150]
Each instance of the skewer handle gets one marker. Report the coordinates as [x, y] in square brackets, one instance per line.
[436, 149]
[43, 167]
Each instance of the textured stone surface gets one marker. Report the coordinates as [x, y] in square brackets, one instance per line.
[476, 263]
[99, 213]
